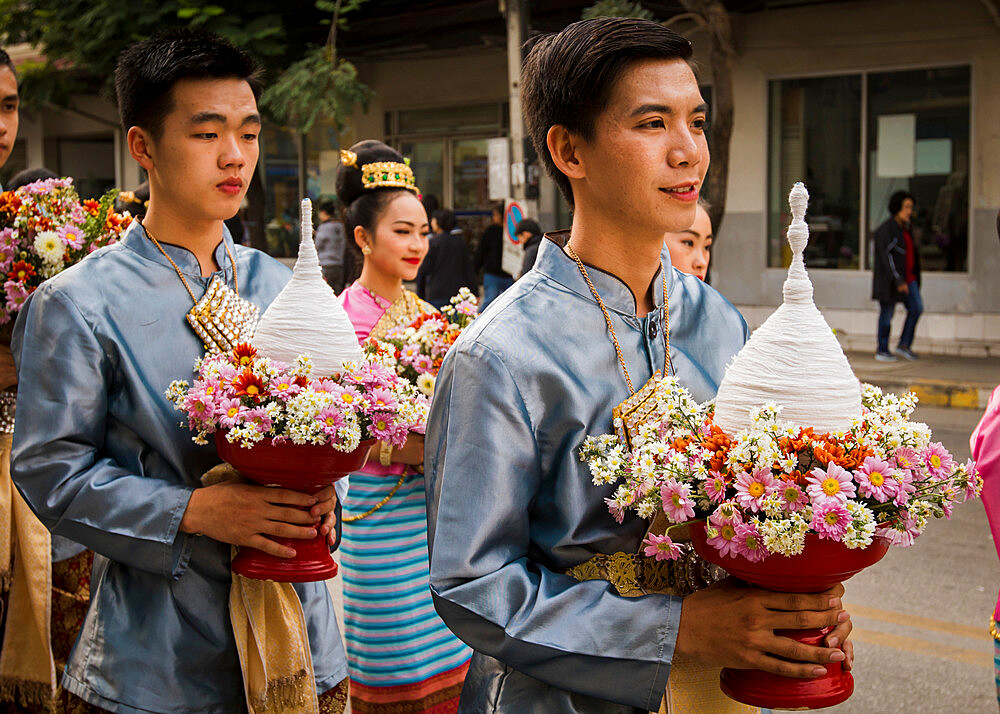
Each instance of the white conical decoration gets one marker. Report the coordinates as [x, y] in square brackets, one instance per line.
[307, 317]
[793, 359]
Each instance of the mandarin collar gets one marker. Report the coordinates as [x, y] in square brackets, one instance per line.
[555, 263]
[136, 239]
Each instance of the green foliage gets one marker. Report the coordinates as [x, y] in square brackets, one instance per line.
[617, 8]
[318, 86]
[81, 40]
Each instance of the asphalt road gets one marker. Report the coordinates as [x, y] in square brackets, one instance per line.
[921, 616]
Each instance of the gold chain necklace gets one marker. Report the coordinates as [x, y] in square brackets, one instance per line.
[640, 406]
[222, 319]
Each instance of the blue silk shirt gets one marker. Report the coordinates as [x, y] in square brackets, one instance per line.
[99, 456]
[511, 507]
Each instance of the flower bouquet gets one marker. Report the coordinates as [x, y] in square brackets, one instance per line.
[283, 418]
[418, 349]
[45, 228]
[792, 481]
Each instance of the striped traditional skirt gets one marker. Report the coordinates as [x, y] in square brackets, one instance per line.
[402, 657]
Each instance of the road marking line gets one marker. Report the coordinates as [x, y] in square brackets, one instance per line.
[911, 644]
[926, 623]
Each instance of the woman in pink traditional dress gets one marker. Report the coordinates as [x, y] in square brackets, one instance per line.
[402, 657]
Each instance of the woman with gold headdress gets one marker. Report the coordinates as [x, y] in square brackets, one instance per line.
[402, 656]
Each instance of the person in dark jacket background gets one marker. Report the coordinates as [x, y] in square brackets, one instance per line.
[530, 234]
[896, 277]
[489, 259]
[446, 267]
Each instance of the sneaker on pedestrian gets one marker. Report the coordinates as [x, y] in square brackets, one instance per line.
[885, 357]
[906, 352]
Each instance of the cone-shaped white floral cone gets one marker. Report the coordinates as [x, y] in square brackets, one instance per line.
[307, 317]
[793, 359]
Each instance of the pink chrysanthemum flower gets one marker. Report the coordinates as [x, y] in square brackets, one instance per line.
[410, 351]
[259, 418]
[284, 388]
[199, 405]
[792, 496]
[423, 364]
[904, 487]
[876, 479]
[230, 412]
[972, 486]
[906, 458]
[938, 460]
[835, 482]
[331, 420]
[715, 487]
[327, 386]
[727, 512]
[661, 547]
[677, 502]
[724, 539]
[382, 399]
[749, 543]
[752, 489]
[381, 427]
[72, 236]
[617, 511]
[830, 519]
[903, 531]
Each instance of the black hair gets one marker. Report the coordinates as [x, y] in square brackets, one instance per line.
[328, 207]
[896, 201]
[530, 225]
[6, 61]
[147, 71]
[23, 178]
[431, 203]
[362, 206]
[445, 218]
[135, 202]
[568, 77]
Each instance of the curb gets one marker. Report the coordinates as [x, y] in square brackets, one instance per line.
[938, 392]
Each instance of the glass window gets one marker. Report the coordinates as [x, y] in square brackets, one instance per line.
[322, 161]
[446, 120]
[918, 141]
[815, 126]
[427, 162]
[281, 179]
[470, 161]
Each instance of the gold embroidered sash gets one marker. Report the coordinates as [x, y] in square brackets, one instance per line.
[405, 310]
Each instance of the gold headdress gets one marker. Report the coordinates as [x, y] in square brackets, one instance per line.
[382, 174]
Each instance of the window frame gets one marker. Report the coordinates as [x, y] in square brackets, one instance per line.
[863, 237]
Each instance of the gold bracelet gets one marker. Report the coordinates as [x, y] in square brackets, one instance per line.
[385, 454]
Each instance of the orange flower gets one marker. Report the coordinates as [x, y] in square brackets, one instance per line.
[21, 272]
[92, 206]
[243, 354]
[248, 384]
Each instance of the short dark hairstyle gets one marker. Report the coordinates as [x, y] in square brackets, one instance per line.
[567, 78]
[23, 178]
[896, 201]
[528, 224]
[6, 61]
[148, 70]
[328, 207]
[445, 218]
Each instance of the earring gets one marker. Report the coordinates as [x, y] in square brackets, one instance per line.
[366, 250]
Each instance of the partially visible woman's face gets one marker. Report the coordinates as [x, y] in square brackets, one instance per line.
[400, 238]
[690, 250]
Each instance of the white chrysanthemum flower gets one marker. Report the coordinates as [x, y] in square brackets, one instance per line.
[425, 383]
[49, 247]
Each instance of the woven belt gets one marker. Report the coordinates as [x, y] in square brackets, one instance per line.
[633, 574]
[8, 400]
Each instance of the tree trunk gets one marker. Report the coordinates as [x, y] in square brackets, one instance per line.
[721, 56]
[256, 200]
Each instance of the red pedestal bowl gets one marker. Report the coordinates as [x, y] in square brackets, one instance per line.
[299, 467]
[821, 565]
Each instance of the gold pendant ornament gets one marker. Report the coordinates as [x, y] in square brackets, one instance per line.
[222, 319]
[638, 409]
[635, 411]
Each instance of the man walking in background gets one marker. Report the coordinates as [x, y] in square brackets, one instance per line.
[489, 259]
[896, 277]
[330, 245]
